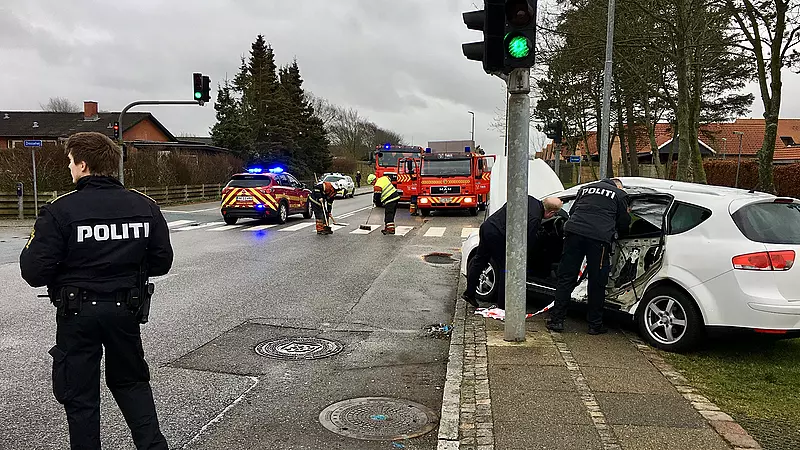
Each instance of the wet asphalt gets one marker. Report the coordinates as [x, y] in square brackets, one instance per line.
[230, 290]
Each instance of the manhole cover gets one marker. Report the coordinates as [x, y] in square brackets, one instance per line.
[378, 419]
[439, 258]
[295, 348]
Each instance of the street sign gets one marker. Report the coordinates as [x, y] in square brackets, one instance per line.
[33, 143]
[574, 159]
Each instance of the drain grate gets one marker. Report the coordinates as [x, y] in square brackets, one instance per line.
[378, 419]
[296, 348]
[439, 258]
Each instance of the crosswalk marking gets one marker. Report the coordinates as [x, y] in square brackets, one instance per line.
[299, 226]
[226, 228]
[199, 226]
[465, 232]
[402, 230]
[435, 231]
[371, 229]
[259, 227]
[177, 223]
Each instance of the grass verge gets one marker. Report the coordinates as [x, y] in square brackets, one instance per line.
[757, 381]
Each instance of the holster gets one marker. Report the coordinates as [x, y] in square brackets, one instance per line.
[68, 301]
[139, 301]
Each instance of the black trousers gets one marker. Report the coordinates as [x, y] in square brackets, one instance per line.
[390, 209]
[598, 266]
[319, 214]
[76, 374]
[492, 245]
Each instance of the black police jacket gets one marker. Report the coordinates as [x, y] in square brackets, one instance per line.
[95, 238]
[535, 216]
[598, 211]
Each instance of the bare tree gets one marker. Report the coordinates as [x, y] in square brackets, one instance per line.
[60, 105]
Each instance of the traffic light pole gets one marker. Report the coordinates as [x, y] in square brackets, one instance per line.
[519, 107]
[139, 103]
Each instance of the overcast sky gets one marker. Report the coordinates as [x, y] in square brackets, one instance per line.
[399, 63]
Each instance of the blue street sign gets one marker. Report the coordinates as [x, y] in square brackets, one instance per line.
[33, 143]
[574, 159]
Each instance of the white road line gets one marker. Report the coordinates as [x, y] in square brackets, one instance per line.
[402, 231]
[435, 232]
[199, 226]
[359, 210]
[344, 216]
[172, 211]
[465, 232]
[371, 229]
[226, 228]
[299, 226]
[177, 223]
[259, 227]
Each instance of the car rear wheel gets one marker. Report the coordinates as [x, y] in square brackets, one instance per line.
[669, 319]
[283, 213]
[307, 210]
[230, 220]
[486, 290]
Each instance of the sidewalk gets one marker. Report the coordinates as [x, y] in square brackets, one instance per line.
[571, 391]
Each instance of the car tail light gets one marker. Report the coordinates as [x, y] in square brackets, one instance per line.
[767, 331]
[783, 200]
[779, 260]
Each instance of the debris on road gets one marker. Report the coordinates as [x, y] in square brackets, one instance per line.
[440, 330]
[500, 314]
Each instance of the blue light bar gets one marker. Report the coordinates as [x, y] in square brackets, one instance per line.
[276, 170]
[428, 150]
[387, 145]
[466, 149]
[255, 170]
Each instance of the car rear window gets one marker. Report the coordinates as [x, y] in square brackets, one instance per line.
[770, 223]
[333, 179]
[684, 217]
[248, 181]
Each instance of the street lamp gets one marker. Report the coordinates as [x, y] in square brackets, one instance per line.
[739, 162]
[724, 142]
[473, 127]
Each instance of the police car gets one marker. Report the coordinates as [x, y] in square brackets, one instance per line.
[342, 183]
[260, 194]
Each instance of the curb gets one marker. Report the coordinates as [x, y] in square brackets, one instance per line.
[722, 423]
[449, 418]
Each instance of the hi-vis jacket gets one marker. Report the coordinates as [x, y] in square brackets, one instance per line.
[95, 238]
[385, 192]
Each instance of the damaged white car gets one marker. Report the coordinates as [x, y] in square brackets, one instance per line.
[697, 258]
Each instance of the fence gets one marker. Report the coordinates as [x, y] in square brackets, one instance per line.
[9, 202]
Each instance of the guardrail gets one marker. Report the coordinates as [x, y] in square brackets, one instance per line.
[9, 202]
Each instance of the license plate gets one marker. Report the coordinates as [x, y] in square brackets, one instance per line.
[244, 198]
[445, 199]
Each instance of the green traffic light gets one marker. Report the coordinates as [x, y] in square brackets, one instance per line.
[197, 95]
[519, 47]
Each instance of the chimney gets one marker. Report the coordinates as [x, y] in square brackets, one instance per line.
[90, 110]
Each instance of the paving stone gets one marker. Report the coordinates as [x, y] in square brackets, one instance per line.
[649, 409]
[663, 438]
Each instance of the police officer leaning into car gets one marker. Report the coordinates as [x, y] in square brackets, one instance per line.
[599, 212]
[88, 247]
[492, 245]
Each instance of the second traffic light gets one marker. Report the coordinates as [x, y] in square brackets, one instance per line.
[556, 132]
[520, 34]
[202, 87]
[509, 35]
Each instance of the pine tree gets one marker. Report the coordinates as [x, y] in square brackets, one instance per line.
[230, 131]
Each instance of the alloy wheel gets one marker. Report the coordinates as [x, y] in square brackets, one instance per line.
[665, 319]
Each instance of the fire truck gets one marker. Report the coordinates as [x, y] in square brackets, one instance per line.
[453, 181]
[401, 164]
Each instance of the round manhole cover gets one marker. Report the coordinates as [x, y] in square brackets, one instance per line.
[439, 258]
[294, 348]
[378, 419]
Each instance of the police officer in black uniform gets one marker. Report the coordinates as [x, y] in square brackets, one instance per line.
[94, 248]
[600, 210]
[492, 245]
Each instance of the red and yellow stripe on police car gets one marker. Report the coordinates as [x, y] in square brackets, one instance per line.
[259, 198]
[265, 199]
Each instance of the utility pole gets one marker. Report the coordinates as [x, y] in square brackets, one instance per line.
[519, 106]
[606, 119]
[739, 162]
[473, 127]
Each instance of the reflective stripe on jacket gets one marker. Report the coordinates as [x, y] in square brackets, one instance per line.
[387, 190]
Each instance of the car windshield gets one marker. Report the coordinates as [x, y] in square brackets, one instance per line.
[390, 159]
[248, 181]
[770, 223]
[333, 178]
[446, 167]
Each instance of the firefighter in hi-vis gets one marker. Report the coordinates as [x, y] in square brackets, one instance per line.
[384, 193]
[321, 199]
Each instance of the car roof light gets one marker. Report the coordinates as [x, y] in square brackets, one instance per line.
[276, 170]
[255, 170]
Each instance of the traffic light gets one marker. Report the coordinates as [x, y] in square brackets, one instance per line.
[197, 79]
[206, 89]
[555, 132]
[116, 130]
[491, 21]
[519, 43]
